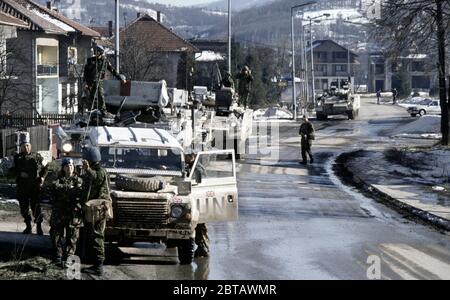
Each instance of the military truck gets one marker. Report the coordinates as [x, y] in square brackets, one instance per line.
[231, 124]
[155, 197]
[338, 103]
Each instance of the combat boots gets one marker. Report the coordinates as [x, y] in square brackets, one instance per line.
[28, 228]
[96, 269]
[39, 230]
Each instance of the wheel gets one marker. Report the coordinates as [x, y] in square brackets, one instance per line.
[139, 184]
[422, 112]
[186, 251]
[413, 115]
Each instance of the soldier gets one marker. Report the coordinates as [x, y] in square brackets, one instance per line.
[394, 96]
[201, 231]
[94, 74]
[30, 173]
[95, 186]
[66, 211]
[227, 81]
[245, 78]
[307, 134]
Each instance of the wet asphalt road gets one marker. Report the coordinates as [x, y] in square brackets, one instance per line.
[300, 222]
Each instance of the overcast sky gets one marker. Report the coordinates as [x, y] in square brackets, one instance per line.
[182, 2]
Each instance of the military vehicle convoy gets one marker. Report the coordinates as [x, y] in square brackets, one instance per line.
[156, 197]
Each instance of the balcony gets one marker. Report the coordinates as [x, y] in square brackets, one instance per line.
[47, 70]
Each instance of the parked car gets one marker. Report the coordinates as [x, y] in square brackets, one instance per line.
[427, 106]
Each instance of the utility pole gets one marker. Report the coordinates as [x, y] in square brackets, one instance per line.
[313, 92]
[294, 92]
[117, 38]
[229, 36]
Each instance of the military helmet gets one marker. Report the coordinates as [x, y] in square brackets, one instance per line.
[92, 154]
[66, 161]
[24, 138]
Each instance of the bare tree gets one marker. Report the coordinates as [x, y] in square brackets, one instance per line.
[419, 25]
[15, 94]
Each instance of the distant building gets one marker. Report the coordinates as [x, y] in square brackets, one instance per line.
[386, 74]
[46, 59]
[331, 65]
[152, 52]
[209, 62]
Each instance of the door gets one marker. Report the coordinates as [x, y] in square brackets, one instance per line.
[434, 108]
[214, 186]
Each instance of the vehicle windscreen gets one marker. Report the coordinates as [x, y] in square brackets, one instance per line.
[141, 158]
[426, 102]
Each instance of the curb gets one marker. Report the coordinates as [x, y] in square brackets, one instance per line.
[400, 206]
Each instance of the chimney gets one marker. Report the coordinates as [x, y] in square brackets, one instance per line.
[138, 15]
[49, 4]
[110, 28]
[158, 16]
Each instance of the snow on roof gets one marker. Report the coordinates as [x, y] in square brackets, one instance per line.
[52, 20]
[134, 137]
[417, 56]
[210, 56]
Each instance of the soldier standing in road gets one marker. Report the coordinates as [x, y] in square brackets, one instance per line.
[201, 231]
[94, 74]
[378, 96]
[95, 186]
[30, 173]
[307, 134]
[394, 96]
[66, 211]
[245, 78]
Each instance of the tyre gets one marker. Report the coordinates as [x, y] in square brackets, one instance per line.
[186, 251]
[422, 112]
[139, 184]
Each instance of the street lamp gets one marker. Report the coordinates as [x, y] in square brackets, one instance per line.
[313, 94]
[294, 92]
[229, 36]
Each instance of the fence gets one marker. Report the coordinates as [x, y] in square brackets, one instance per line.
[39, 139]
[28, 120]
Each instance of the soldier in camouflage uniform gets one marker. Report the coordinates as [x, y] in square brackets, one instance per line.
[245, 78]
[227, 81]
[95, 186]
[66, 211]
[30, 174]
[94, 74]
[201, 231]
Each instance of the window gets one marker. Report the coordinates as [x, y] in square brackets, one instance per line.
[47, 60]
[213, 166]
[340, 55]
[320, 55]
[379, 69]
[340, 68]
[418, 66]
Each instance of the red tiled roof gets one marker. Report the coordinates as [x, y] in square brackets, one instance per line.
[156, 36]
[11, 21]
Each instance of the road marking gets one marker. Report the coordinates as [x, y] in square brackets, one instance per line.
[414, 258]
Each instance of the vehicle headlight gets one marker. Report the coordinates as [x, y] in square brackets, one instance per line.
[67, 147]
[177, 211]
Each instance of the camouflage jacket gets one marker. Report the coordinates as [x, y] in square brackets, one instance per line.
[244, 81]
[66, 194]
[95, 70]
[95, 184]
[27, 170]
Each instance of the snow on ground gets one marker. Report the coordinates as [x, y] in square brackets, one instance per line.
[272, 113]
[353, 15]
[9, 201]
